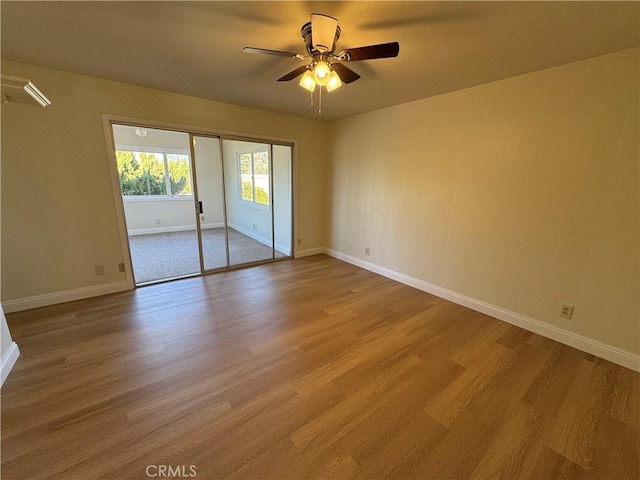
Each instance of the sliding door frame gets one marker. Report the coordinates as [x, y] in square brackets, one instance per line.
[196, 197]
[272, 199]
[108, 120]
[196, 203]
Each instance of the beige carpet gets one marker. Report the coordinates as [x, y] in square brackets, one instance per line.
[175, 254]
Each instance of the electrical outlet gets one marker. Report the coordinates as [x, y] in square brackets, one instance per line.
[99, 269]
[121, 267]
[299, 241]
[566, 311]
[366, 251]
[157, 221]
[255, 227]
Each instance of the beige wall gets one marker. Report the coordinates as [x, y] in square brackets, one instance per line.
[58, 214]
[5, 335]
[521, 193]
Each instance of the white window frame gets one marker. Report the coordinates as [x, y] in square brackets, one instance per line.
[164, 152]
[242, 201]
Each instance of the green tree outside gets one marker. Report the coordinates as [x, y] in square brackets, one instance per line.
[251, 164]
[179, 175]
[144, 174]
[247, 190]
[262, 196]
[261, 163]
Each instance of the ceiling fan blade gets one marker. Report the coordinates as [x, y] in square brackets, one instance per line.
[323, 31]
[278, 53]
[345, 73]
[293, 74]
[383, 50]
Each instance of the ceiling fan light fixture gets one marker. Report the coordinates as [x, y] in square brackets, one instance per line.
[140, 132]
[322, 72]
[320, 36]
[334, 81]
[308, 81]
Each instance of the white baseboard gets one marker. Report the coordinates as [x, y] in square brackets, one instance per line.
[8, 361]
[258, 238]
[251, 234]
[599, 349]
[47, 299]
[283, 249]
[212, 225]
[613, 354]
[178, 228]
[307, 252]
[184, 228]
[151, 231]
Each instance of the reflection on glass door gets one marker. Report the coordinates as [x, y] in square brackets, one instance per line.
[200, 203]
[282, 201]
[210, 196]
[244, 201]
[248, 179]
[154, 169]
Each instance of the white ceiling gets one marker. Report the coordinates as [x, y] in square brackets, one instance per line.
[195, 48]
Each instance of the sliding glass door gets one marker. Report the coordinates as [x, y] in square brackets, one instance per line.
[210, 205]
[249, 213]
[154, 170]
[282, 200]
[202, 203]
[246, 185]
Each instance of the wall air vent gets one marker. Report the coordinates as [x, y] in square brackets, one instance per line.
[14, 88]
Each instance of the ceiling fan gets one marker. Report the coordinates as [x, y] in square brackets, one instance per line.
[325, 70]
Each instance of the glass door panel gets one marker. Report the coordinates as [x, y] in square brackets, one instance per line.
[197, 203]
[248, 185]
[154, 169]
[282, 214]
[210, 197]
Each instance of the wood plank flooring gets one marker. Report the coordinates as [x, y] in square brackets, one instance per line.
[309, 368]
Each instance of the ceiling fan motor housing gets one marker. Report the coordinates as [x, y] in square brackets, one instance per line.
[308, 40]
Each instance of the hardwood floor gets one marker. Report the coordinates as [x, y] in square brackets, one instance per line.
[310, 368]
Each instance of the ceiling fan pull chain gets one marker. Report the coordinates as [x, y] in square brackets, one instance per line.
[311, 96]
[320, 101]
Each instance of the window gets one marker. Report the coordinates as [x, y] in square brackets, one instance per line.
[154, 174]
[253, 177]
